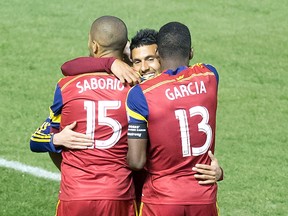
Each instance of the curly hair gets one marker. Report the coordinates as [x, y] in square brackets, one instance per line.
[144, 37]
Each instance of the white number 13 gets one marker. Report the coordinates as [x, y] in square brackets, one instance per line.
[203, 126]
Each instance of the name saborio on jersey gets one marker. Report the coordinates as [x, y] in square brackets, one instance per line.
[101, 83]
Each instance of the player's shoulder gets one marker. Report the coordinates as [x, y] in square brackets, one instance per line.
[62, 81]
[203, 67]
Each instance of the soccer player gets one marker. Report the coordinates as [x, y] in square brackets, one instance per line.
[97, 180]
[176, 112]
[144, 55]
[47, 138]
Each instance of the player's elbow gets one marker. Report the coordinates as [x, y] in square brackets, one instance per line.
[136, 155]
[136, 166]
[33, 146]
[136, 163]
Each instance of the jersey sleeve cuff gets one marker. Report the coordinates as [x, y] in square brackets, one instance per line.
[52, 146]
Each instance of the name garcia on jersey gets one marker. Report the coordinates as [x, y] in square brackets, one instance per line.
[192, 88]
[93, 83]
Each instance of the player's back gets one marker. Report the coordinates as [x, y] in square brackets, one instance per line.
[181, 127]
[97, 102]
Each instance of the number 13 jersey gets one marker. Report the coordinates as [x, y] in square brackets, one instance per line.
[179, 108]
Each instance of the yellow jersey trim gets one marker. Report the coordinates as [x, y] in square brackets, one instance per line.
[135, 115]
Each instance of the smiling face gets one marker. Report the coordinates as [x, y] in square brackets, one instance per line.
[146, 61]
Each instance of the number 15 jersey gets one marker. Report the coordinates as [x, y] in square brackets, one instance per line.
[97, 102]
[179, 108]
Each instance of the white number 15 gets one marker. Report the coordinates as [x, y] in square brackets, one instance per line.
[103, 106]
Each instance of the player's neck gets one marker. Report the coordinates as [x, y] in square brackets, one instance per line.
[172, 64]
[111, 53]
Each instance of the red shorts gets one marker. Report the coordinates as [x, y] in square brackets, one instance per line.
[178, 210]
[96, 208]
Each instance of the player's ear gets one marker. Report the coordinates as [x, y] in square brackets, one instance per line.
[191, 53]
[95, 47]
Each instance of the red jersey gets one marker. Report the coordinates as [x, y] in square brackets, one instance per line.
[180, 110]
[97, 102]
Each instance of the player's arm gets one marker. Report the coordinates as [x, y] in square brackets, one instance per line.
[90, 64]
[47, 139]
[209, 174]
[136, 155]
[72, 140]
[87, 65]
[137, 110]
[41, 139]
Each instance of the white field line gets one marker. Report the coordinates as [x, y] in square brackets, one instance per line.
[36, 171]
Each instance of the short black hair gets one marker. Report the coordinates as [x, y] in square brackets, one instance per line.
[144, 37]
[174, 41]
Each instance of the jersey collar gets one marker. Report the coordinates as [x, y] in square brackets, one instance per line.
[174, 72]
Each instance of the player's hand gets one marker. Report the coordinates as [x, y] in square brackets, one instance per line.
[208, 174]
[71, 139]
[125, 73]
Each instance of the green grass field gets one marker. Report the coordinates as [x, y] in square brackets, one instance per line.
[245, 40]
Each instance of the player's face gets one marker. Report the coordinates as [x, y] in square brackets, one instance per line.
[146, 61]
